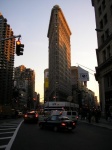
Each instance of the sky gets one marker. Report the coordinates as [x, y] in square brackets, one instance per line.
[30, 19]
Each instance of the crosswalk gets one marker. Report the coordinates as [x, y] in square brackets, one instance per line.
[8, 131]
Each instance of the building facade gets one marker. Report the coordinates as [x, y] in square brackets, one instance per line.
[24, 82]
[7, 50]
[103, 14]
[81, 95]
[46, 85]
[59, 56]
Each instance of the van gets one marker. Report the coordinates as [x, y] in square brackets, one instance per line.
[73, 115]
[56, 112]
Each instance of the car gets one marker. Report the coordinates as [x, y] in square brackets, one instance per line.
[31, 116]
[57, 123]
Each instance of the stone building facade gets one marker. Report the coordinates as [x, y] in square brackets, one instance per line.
[103, 16]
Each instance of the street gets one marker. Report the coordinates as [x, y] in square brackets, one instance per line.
[85, 136]
[8, 130]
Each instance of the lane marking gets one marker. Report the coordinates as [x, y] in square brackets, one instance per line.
[6, 132]
[7, 129]
[5, 138]
[3, 146]
[8, 147]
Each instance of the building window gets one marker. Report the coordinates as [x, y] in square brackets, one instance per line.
[103, 4]
[108, 52]
[101, 24]
[111, 9]
[99, 10]
[104, 56]
[108, 81]
[102, 39]
[111, 79]
[105, 19]
[107, 33]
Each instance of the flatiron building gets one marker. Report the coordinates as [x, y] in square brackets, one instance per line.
[59, 56]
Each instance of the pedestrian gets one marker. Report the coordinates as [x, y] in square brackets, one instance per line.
[108, 116]
[89, 116]
[96, 116]
[16, 113]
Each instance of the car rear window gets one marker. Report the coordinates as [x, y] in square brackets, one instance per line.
[65, 118]
[68, 113]
[73, 113]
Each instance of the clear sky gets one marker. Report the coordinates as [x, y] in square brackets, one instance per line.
[30, 18]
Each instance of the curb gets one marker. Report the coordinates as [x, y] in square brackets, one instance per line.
[104, 125]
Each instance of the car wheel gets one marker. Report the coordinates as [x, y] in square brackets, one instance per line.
[55, 128]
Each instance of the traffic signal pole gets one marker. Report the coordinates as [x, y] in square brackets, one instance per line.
[19, 46]
[12, 37]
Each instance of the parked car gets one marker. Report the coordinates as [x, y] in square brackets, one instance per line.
[31, 116]
[57, 123]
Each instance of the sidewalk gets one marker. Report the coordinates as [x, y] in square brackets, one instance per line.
[102, 123]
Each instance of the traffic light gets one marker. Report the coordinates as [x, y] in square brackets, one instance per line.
[19, 48]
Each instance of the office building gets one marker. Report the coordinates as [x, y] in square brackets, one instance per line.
[81, 95]
[24, 82]
[59, 56]
[46, 85]
[7, 50]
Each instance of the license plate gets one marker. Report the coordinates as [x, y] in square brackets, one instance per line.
[30, 116]
[69, 128]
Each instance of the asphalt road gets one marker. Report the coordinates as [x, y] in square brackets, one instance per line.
[85, 136]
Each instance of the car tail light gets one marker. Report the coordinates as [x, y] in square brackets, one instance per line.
[73, 123]
[26, 115]
[36, 115]
[63, 124]
[77, 117]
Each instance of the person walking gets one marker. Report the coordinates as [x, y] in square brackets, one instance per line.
[89, 115]
[96, 116]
